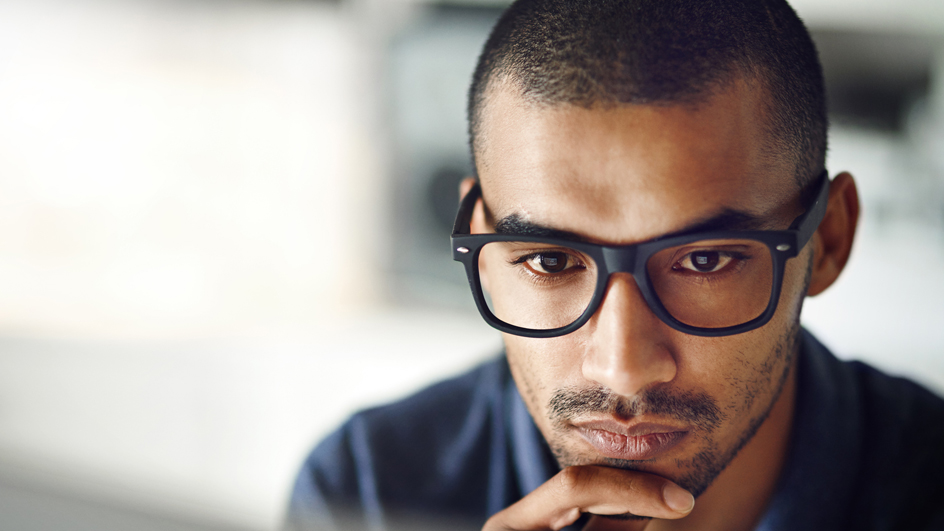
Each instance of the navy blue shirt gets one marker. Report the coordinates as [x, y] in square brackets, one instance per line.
[867, 453]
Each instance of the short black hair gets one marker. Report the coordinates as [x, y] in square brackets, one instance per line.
[661, 52]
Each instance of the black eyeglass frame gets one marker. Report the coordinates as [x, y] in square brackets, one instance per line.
[632, 259]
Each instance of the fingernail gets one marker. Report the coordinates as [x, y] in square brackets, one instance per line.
[678, 498]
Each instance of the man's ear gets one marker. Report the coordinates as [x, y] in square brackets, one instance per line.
[832, 241]
[478, 225]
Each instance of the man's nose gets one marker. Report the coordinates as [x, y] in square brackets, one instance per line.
[628, 348]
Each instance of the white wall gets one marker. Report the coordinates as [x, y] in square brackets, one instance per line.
[176, 179]
[175, 169]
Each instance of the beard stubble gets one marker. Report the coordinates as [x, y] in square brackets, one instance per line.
[694, 408]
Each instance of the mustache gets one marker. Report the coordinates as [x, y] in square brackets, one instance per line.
[694, 408]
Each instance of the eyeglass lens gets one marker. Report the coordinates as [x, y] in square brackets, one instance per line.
[706, 284]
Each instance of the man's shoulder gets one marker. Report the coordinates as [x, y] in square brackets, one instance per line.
[898, 403]
[422, 454]
[903, 449]
[896, 400]
[891, 435]
[866, 447]
[899, 416]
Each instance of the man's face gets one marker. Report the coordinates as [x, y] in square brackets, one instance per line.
[626, 389]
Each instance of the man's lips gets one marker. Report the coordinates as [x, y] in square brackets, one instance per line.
[630, 441]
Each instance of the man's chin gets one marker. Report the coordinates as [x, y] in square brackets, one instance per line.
[664, 467]
[693, 473]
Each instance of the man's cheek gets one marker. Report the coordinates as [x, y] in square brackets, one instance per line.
[539, 366]
[525, 369]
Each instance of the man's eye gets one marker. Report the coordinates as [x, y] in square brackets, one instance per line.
[704, 261]
[549, 263]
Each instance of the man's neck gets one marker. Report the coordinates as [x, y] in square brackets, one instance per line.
[738, 497]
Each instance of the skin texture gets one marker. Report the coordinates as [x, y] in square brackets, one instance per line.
[621, 175]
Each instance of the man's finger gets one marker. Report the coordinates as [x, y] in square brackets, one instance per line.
[598, 490]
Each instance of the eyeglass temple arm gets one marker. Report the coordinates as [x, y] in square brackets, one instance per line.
[806, 224]
[466, 207]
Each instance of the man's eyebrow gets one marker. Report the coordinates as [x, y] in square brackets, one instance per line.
[728, 219]
[516, 225]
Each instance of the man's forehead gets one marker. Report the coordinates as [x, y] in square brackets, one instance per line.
[630, 172]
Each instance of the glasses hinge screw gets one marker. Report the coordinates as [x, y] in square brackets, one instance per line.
[463, 249]
[783, 247]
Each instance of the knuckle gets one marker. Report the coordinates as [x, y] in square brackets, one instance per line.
[643, 487]
[573, 478]
[634, 485]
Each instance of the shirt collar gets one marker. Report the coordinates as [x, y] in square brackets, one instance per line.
[817, 483]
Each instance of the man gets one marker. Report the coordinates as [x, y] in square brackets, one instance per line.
[651, 208]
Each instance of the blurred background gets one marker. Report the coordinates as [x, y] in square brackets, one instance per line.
[224, 226]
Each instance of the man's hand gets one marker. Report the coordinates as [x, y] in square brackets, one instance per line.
[598, 490]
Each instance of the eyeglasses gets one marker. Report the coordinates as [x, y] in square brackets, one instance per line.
[713, 283]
